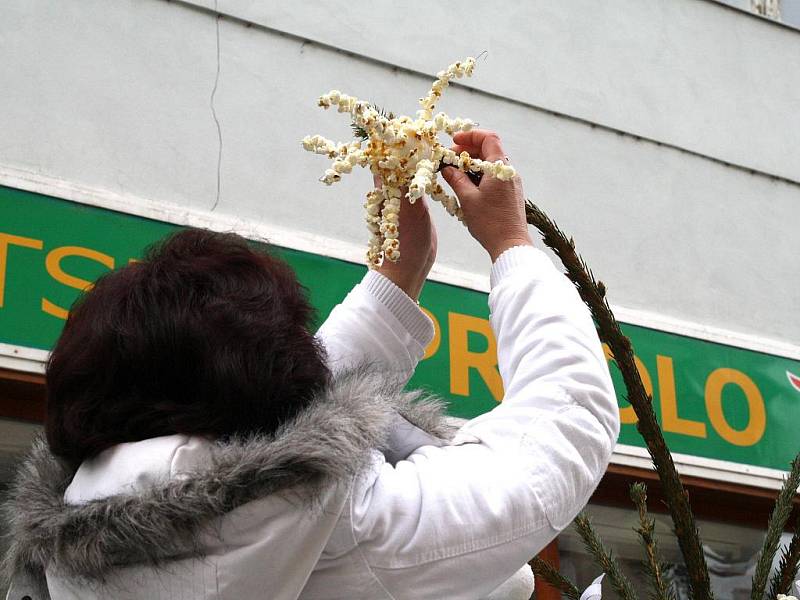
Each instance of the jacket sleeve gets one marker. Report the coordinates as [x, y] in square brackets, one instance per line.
[456, 521]
[378, 324]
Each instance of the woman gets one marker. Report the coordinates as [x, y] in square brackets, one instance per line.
[201, 443]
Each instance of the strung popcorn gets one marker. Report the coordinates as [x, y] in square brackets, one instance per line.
[403, 152]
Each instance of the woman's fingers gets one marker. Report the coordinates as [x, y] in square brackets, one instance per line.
[461, 184]
[458, 149]
[481, 142]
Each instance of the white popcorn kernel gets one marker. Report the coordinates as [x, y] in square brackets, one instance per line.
[488, 168]
[392, 195]
[421, 181]
[341, 166]
[391, 249]
[449, 157]
[389, 227]
[390, 163]
[330, 177]
[505, 172]
[469, 66]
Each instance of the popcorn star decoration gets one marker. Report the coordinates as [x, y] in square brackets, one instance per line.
[404, 152]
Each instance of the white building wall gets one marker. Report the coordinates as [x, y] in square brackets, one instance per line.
[660, 133]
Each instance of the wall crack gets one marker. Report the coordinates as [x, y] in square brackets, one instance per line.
[214, 112]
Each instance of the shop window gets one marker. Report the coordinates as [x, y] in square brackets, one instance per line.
[731, 552]
[21, 412]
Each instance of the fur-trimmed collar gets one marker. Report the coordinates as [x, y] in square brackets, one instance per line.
[330, 441]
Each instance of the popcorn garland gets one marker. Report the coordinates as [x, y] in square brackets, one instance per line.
[403, 152]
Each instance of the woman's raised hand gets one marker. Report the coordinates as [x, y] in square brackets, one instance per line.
[417, 247]
[494, 210]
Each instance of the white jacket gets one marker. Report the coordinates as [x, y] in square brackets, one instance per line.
[419, 518]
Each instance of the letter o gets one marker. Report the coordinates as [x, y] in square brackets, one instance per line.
[757, 422]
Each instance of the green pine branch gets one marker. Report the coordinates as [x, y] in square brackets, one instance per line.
[777, 522]
[787, 569]
[653, 566]
[603, 558]
[543, 569]
[593, 294]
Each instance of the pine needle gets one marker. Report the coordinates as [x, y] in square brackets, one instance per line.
[593, 294]
[777, 521]
[653, 566]
[787, 569]
[603, 557]
[542, 568]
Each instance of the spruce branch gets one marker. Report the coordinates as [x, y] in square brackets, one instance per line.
[593, 294]
[603, 557]
[787, 569]
[788, 566]
[653, 566]
[542, 568]
[777, 521]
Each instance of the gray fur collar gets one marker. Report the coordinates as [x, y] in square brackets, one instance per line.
[330, 441]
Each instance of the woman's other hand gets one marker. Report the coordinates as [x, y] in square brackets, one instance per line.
[494, 210]
[417, 247]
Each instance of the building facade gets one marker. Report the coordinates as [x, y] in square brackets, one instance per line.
[658, 133]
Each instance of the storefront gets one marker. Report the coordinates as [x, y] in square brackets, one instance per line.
[728, 413]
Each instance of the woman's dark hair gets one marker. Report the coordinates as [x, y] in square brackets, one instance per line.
[206, 335]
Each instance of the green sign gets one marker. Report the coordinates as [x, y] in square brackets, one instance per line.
[713, 400]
